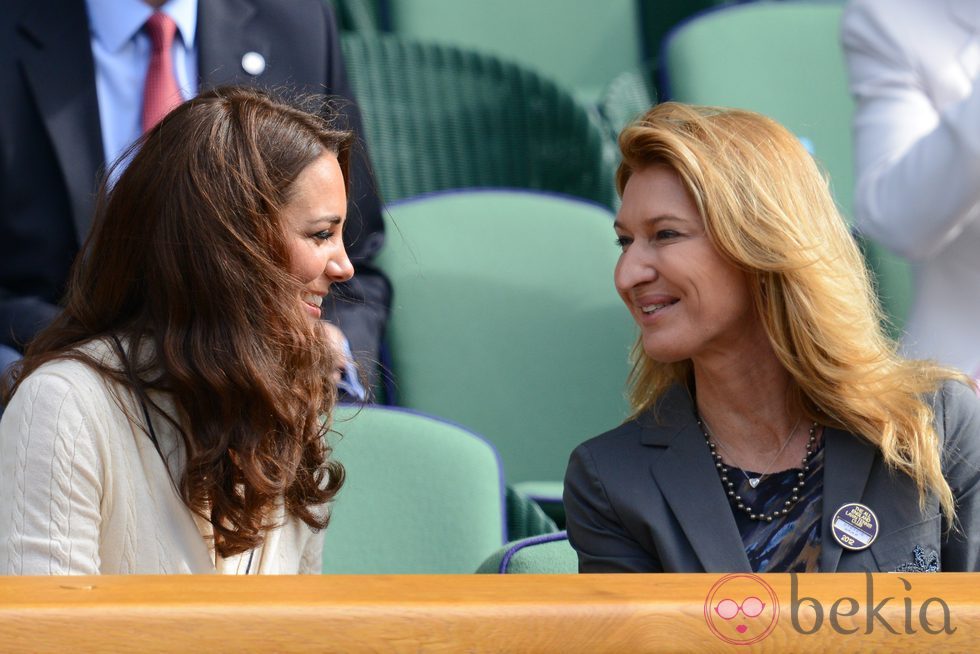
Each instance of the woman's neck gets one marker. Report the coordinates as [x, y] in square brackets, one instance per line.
[744, 398]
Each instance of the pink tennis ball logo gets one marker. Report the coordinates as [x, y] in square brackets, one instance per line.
[741, 609]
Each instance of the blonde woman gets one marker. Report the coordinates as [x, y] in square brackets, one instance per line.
[775, 428]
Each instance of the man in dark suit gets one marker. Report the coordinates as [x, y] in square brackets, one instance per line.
[54, 124]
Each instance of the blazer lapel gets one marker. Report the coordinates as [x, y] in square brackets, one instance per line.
[688, 479]
[847, 466]
[57, 62]
[223, 39]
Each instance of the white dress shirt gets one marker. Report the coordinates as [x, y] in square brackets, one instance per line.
[122, 56]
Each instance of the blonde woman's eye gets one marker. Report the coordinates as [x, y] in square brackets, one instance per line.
[623, 241]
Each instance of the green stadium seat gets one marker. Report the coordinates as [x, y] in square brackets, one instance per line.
[421, 496]
[784, 59]
[627, 97]
[543, 555]
[526, 517]
[505, 319]
[439, 117]
[658, 18]
[580, 44]
[358, 15]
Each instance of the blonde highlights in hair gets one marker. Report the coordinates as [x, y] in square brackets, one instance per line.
[767, 208]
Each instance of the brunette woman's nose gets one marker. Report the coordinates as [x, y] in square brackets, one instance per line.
[339, 268]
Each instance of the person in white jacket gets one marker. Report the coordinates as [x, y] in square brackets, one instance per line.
[914, 66]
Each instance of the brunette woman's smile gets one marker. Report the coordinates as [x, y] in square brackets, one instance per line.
[312, 303]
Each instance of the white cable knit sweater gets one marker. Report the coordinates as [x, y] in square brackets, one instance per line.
[84, 491]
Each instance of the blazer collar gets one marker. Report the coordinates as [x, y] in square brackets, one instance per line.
[223, 38]
[673, 413]
[56, 57]
[688, 480]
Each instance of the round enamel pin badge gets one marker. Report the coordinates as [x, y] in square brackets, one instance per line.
[855, 526]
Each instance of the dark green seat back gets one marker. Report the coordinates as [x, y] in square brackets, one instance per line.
[439, 117]
[581, 44]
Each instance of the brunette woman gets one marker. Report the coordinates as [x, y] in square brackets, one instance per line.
[171, 420]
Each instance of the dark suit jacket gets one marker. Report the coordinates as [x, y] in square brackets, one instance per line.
[51, 154]
[646, 497]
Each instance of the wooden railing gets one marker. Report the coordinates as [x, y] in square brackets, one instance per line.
[477, 613]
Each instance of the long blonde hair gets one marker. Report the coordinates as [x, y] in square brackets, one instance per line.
[767, 208]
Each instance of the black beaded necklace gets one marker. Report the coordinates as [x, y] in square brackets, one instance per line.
[738, 501]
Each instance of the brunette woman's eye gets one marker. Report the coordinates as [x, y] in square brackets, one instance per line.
[325, 235]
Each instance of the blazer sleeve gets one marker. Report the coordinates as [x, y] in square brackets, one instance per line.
[594, 529]
[904, 145]
[960, 409]
[22, 317]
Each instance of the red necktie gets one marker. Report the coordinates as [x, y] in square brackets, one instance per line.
[161, 93]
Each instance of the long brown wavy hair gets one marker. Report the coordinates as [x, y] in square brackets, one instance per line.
[767, 208]
[187, 264]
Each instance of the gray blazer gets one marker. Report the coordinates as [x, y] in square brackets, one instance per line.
[646, 497]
